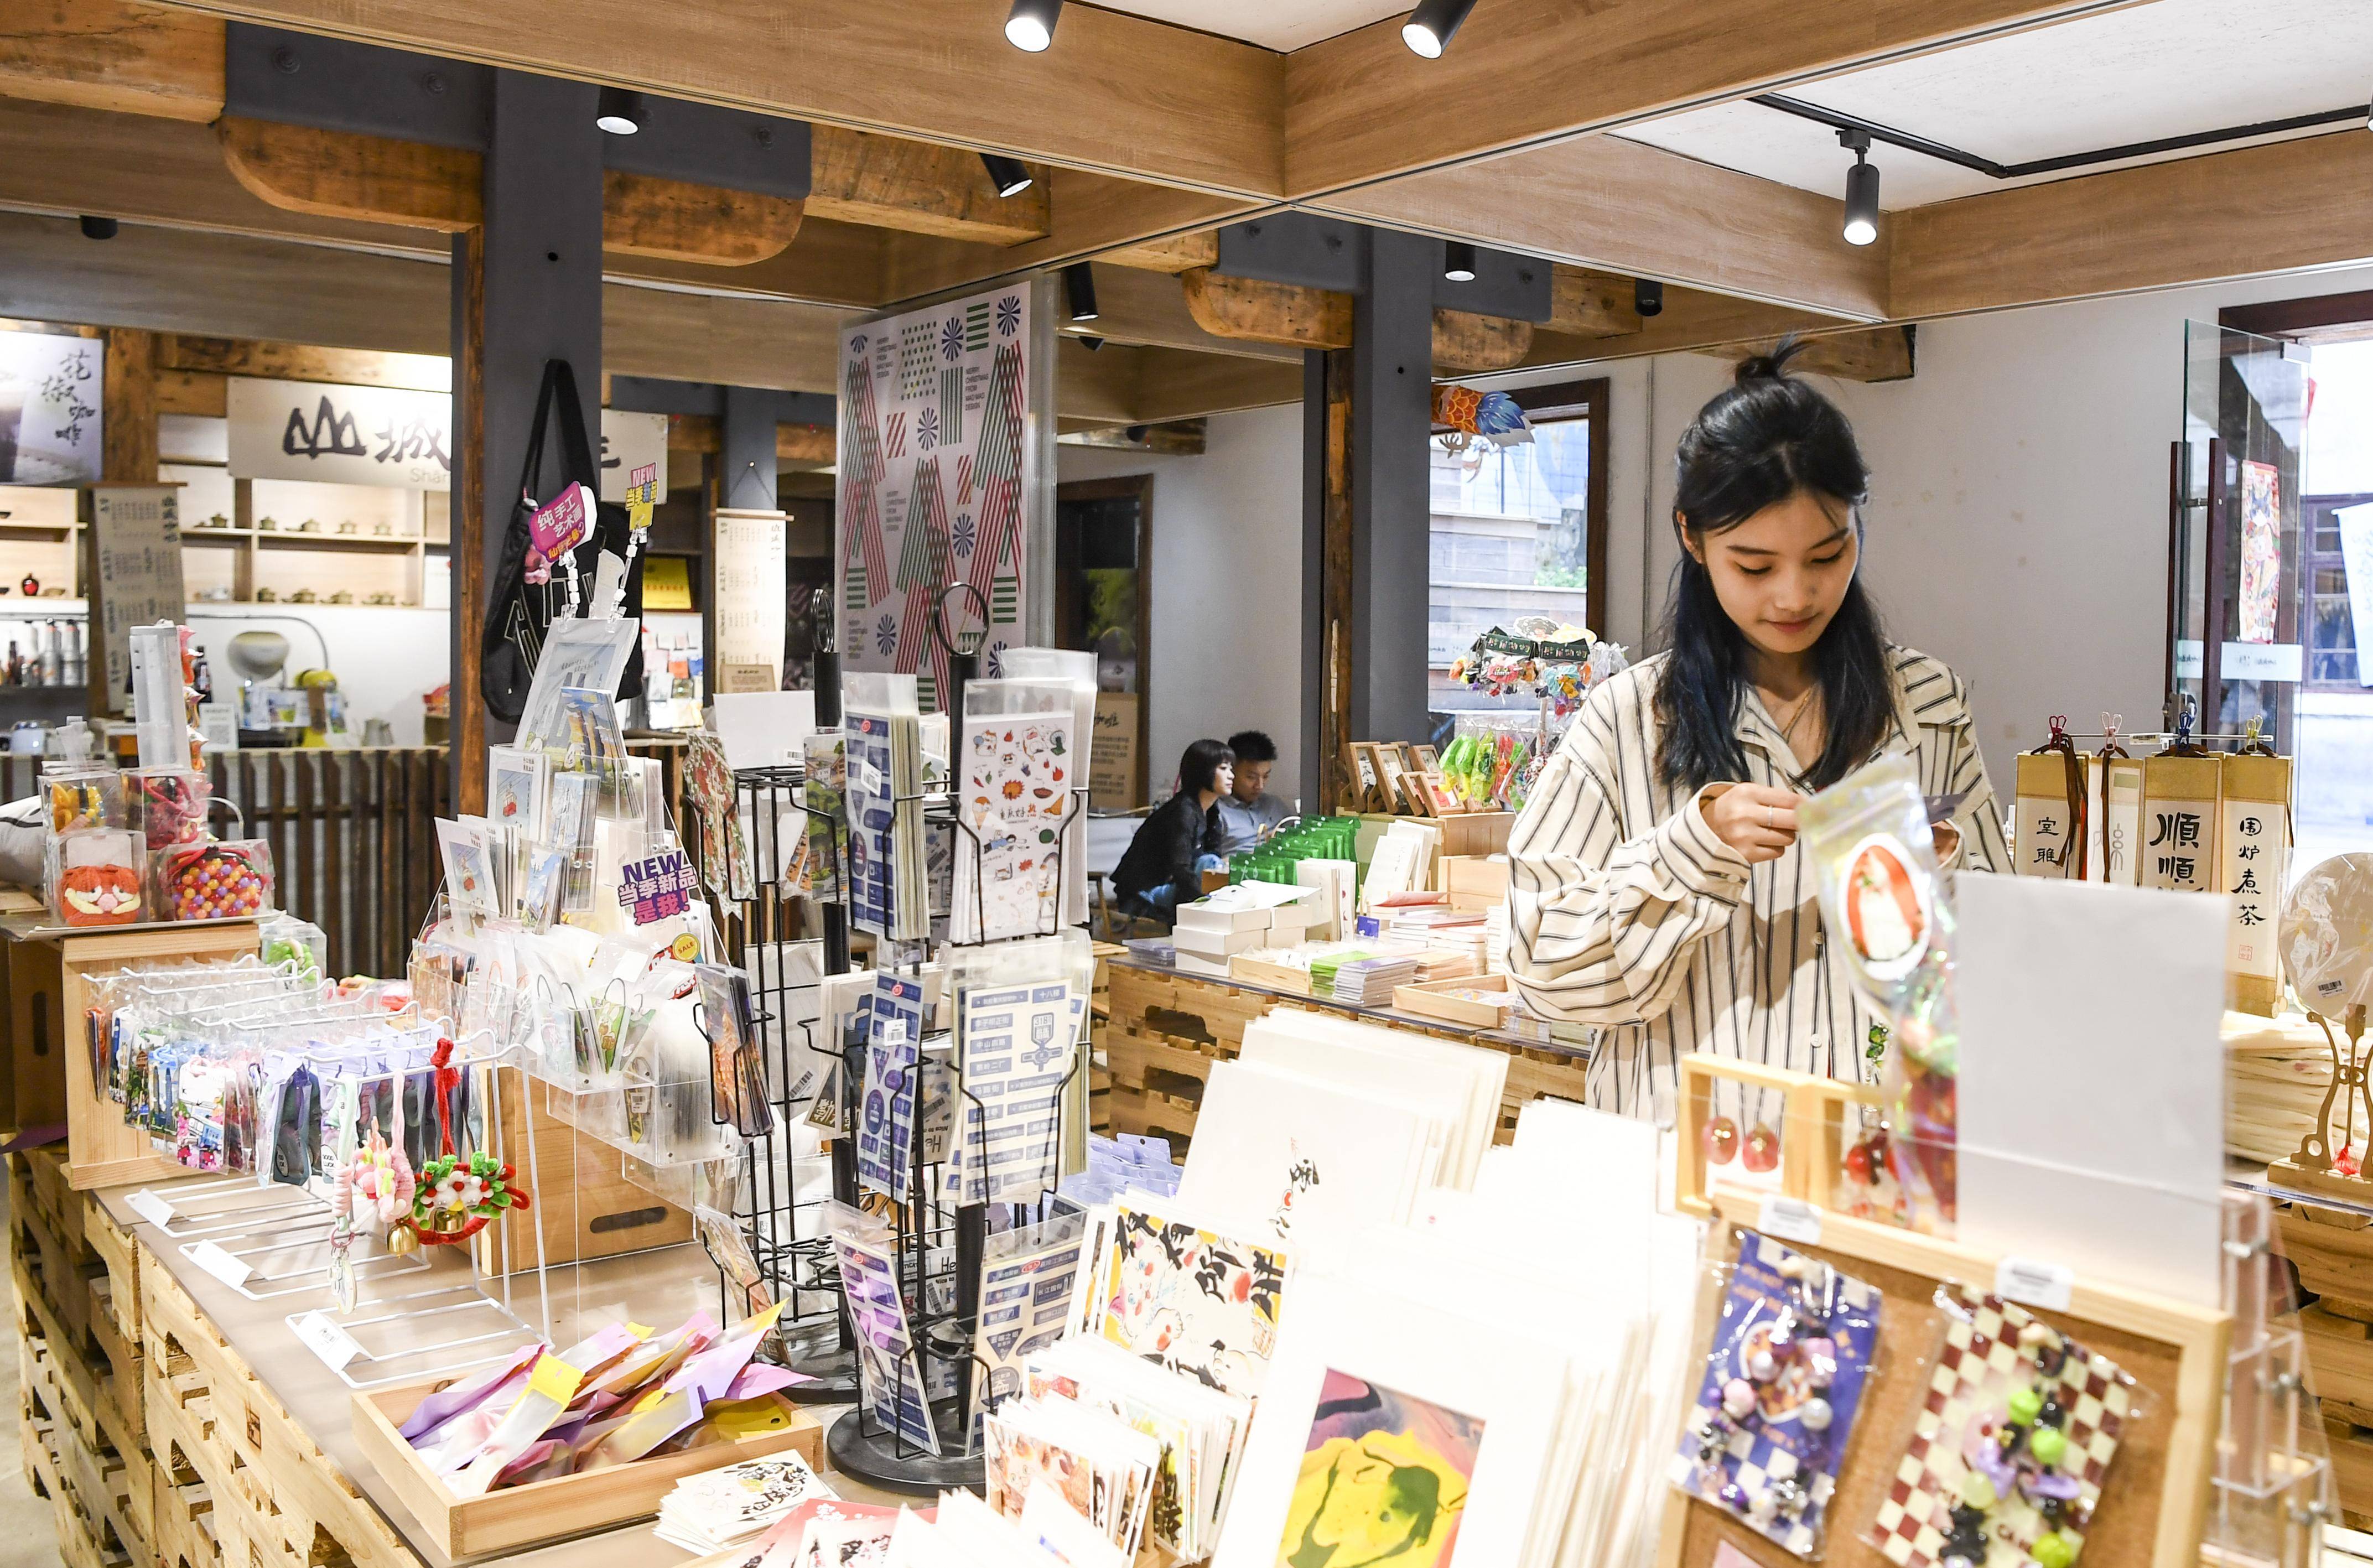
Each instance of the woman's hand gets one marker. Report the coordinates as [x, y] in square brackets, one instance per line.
[1754, 819]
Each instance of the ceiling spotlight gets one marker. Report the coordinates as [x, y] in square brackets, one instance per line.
[97, 227]
[1006, 173]
[1089, 343]
[1862, 189]
[1433, 25]
[1080, 291]
[1647, 297]
[620, 112]
[1459, 261]
[1031, 24]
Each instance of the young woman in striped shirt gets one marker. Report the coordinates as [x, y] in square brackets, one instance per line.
[1655, 887]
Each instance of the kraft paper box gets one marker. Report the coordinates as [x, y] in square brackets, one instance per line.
[2117, 816]
[2048, 832]
[2254, 836]
[2178, 823]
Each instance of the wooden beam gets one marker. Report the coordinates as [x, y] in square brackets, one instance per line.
[1180, 253]
[1149, 310]
[1869, 354]
[1093, 214]
[1117, 93]
[363, 179]
[128, 413]
[1466, 344]
[201, 393]
[1590, 304]
[700, 434]
[1691, 322]
[920, 187]
[110, 54]
[1180, 437]
[467, 343]
[1361, 107]
[1175, 384]
[304, 362]
[2283, 206]
[1628, 208]
[1268, 312]
[716, 337]
[673, 220]
[1098, 385]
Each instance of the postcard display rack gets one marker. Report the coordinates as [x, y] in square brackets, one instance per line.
[2206, 1449]
[950, 1078]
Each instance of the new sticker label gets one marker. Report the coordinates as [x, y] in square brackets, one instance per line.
[2033, 1283]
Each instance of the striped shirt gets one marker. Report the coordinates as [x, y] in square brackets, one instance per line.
[1627, 913]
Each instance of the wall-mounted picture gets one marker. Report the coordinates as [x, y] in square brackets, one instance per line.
[50, 408]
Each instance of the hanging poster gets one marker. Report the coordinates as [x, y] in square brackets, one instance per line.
[935, 475]
[2261, 551]
[749, 565]
[50, 408]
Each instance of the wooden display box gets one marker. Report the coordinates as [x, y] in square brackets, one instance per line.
[1434, 998]
[545, 1510]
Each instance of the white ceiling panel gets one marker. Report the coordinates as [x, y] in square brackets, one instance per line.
[2147, 72]
[1272, 24]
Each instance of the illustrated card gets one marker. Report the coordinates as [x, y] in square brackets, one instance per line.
[1385, 1473]
[1198, 1304]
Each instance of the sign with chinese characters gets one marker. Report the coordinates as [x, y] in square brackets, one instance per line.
[559, 524]
[748, 564]
[631, 443]
[2118, 805]
[641, 493]
[343, 435]
[2047, 820]
[50, 408]
[2255, 849]
[657, 886]
[136, 545]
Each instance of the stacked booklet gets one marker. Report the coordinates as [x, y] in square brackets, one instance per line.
[720, 1508]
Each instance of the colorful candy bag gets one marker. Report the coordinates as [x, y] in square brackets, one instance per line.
[214, 880]
[1883, 903]
[167, 805]
[1782, 1385]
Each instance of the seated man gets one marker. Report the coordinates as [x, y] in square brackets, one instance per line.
[1247, 815]
[1163, 864]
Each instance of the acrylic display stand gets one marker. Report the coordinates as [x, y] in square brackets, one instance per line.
[2158, 1502]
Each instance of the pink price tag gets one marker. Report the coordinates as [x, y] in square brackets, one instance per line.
[559, 524]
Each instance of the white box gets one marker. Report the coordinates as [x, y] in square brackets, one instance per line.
[1216, 945]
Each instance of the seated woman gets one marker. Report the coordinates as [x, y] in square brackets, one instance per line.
[1164, 861]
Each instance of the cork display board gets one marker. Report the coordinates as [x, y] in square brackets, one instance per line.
[2153, 1503]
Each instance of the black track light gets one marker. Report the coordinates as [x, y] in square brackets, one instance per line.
[620, 111]
[1433, 25]
[1089, 343]
[1459, 261]
[97, 227]
[1007, 174]
[1031, 24]
[1647, 297]
[1862, 189]
[1080, 291]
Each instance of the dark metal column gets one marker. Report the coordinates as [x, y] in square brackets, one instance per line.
[1392, 387]
[535, 294]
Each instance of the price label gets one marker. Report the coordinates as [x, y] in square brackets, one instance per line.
[1790, 1219]
[150, 1207]
[220, 1264]
[869, 777]
[2033, 1283]
[326, 1340]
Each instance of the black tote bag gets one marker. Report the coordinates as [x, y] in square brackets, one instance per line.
[519, 612]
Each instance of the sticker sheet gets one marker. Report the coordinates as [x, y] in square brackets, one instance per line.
[885, 1130]
[1012, 798]
[1019, 1044]
[885, 1349]
[1196, 1303]
[1026, 1278]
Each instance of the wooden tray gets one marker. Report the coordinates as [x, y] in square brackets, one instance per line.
[545, 1510]
[1431, 999]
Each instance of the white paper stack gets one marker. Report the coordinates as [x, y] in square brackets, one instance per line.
[1369, 982]
[1460, 1085]
[715, 1509]
[1401, 863]
[1335, 895]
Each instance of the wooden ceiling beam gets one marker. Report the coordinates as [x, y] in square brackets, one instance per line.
[303, 362]
[1468, 345]
[1180, 253]
[808, 445]
[2285, 207]
[1863, 353]
[113, 55]
[1117, 93]
[1094, 215]
[1361, 107]
[920, 188]
[1174, 384]
[1146, 310]
[1268, 312]
[1625, 207]
[1590, 304]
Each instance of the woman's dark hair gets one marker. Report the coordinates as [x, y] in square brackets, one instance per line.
[1200, 770]
[1766, 439]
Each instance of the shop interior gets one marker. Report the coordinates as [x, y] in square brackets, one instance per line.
[600, 619]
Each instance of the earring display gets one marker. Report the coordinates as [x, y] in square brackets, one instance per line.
[1782, 1387]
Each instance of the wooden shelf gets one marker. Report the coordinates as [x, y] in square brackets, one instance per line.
[336, 541]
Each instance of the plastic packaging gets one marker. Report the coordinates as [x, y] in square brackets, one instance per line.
[167, 805]
[95, 876]
[285, 938]
[214, 880]
[83, 795]
[2007, 1454]
[2326, 935]
[1783, 1385]
[1884, 905]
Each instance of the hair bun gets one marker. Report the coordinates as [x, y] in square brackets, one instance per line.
[1772, 366]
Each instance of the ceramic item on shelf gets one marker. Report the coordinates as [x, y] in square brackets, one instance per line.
[54, 593]
[304, 596]
[267, 525]
[381, 598]
[218, 594]
[385, 530]
[32, 585]
[218, 520]
[343, 596]
[310, 525]
[266, 596]
[347, 526]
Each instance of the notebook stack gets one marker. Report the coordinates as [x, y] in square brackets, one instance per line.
[1369, 982]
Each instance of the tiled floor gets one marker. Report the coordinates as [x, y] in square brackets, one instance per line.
[27, 1532]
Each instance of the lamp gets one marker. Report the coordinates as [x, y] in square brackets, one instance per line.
[1862, 189]
[97, 227]
[1647, 297]
[1459, 261]
[1431, 26]
[1080, 291]
[1007, 174]
[1031, 24]
[620, 111]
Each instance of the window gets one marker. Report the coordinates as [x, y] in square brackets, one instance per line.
[2336, 703]
[1517, 530]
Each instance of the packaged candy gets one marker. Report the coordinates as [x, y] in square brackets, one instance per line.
[1782, 1385]
[1883, 902]
[95, 877]
[215, 881]
[83, 796]
[168, 805]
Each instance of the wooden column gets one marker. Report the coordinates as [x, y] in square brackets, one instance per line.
[128, 411]
[534, 295]
[1326, 576]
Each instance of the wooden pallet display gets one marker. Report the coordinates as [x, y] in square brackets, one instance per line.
[91, 1484]
[2155, 1506]
[2332, 1251]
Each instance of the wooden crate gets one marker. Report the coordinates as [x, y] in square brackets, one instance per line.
[542, 1510]
[1436, 998]
[594, 1211]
